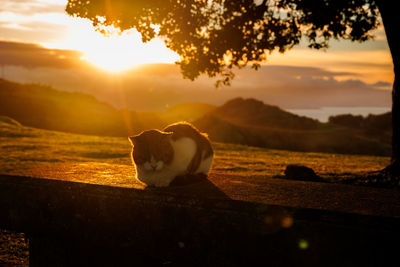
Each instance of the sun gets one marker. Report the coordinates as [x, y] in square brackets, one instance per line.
[117, 51]
[123, 51]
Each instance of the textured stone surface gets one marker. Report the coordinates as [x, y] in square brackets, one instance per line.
[259, 189]
[99, 215]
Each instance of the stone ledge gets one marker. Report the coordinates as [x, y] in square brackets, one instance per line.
[257, 189]
[226, 220]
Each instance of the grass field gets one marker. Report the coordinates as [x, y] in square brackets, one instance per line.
[24, 148]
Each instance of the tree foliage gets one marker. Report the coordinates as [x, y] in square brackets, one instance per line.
[212, 36]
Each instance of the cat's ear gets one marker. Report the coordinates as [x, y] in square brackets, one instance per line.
[132, 139]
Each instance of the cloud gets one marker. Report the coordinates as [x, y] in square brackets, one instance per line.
[34, 56]
[34, 31]
[30, 7]
[146, 91]
[383, 85]
[39, 21]
[157, 86]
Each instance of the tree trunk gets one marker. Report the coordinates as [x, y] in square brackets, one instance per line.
[389, 14]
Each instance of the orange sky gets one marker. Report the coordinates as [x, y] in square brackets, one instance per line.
[44, 22]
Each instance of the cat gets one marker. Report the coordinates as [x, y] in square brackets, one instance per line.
[179, 149]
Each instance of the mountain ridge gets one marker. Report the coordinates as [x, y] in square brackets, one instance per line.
[242, 121]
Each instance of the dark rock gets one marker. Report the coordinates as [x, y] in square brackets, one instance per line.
[303, 173]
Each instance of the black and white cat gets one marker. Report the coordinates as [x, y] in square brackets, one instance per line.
[179, 149]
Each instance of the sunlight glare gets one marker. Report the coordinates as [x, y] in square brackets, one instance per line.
[116, 51]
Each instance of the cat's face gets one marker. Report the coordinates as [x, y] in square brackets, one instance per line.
[152, 150]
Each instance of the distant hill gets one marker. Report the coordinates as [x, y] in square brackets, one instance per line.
[4, 120]
[239, 121]
[47, 108]
[12, 128]
[252, 112]
[374, 126]
[186, 112]
[251, 122]
[381, 121]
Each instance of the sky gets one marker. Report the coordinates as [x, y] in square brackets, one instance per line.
[40, 43]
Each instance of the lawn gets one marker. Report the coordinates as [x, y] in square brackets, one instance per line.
[24, 148]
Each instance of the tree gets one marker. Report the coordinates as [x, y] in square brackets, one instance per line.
[213, 36]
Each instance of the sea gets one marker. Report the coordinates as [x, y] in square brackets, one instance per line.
[323, 114]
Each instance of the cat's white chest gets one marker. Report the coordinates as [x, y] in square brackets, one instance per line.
[184, 150]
